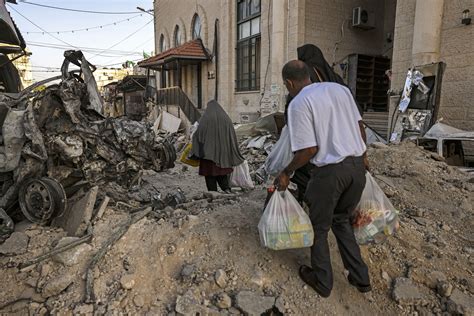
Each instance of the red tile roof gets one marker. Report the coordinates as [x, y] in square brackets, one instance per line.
[190, 50]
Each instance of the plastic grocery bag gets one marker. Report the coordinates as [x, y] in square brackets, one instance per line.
[281, 154]
[185, 156]
[240, 177]
[284, 224]
[375, 217]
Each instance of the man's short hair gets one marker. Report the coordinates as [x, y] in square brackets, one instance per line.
[295, 70]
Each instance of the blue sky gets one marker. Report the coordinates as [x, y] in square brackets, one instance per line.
[97, 40]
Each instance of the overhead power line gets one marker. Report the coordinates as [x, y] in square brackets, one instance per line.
[92, 50]
[87, 28]
[39, 27]
[118, 63]
[74, 10]
[123, 40]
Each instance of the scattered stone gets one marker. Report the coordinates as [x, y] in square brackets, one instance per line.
[171, 249]
[435, 277]
[57, 285]
[84, 309]
[445, 289]
[46, 269]
[139, 301]
[437, 157]
[420, 221]
[188, 271]
[281, 305]
[405, 292]
[378, 145]
[468, 250]
[386, 277]
[223, 301]
[221, 278]
[127, 281]
[16, 244]
[460, 303]
[189, 304]
[72, 256]
[253, 304]
[258, 278]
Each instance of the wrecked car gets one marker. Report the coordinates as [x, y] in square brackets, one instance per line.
[55, 141]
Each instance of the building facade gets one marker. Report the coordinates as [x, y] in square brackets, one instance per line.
[247, 42]
[23, 64]
[104, 76]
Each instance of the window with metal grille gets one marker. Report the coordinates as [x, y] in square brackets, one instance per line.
[248, 45]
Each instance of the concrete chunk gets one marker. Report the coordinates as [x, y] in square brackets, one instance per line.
[72, 256]
[16, 244]
[460, 303]
[78, 215]
[253, 304]
[405, 292]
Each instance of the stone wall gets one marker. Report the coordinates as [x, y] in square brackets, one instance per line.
[457, 51]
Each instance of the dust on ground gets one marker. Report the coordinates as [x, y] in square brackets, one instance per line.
[205, 257]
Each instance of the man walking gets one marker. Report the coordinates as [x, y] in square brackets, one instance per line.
[326, 130]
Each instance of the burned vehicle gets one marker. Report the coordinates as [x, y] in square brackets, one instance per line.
[56, 140]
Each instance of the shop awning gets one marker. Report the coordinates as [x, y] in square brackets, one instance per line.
[189, 53]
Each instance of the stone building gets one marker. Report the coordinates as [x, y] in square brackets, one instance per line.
[233, 50]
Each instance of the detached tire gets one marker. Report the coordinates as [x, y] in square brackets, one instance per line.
[41, 200]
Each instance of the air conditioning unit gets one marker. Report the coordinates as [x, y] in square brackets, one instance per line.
[363, 18]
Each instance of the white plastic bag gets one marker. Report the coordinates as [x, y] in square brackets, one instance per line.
[281, 154]
[375, 217]
[240, 177]
[284, 224]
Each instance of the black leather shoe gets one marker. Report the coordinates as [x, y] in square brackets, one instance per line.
[360, 288]
[305, 275]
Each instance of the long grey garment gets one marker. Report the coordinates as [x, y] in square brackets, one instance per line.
[215, 138]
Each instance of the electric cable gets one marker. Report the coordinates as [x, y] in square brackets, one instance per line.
[123, 40]
[39, 27]
[74, 10]
[84, 49]
[87, 28]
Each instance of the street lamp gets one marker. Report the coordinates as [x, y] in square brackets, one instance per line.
[146, 11]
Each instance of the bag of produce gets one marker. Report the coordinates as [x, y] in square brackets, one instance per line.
[284, 224]
[375, 217]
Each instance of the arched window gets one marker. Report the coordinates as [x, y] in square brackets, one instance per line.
[162, 43]
[196, 26]
[177, 36]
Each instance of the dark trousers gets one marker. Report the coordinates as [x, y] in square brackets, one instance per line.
[334, 191]
[211, 182]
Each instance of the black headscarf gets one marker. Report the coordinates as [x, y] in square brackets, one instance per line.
[215, 138]
[314, 58]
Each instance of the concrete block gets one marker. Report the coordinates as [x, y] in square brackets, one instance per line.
[78, 215]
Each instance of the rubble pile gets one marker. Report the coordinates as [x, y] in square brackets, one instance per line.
[203, 255]
[56, 141]
[255, 150]
[155, 243]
